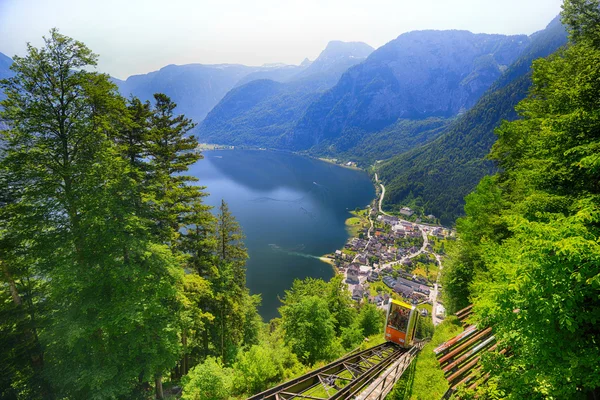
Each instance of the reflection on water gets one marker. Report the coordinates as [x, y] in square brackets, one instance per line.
[292, 210]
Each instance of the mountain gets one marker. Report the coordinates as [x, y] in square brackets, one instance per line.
[418, 75]
[196, 88]
[337, 57]
[278, 73]
[5, 72]
[258, 113]
[438, 175]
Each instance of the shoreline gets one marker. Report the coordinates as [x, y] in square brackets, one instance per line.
[328, 258]
[214, 147]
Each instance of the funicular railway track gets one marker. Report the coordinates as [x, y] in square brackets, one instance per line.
[342, 379]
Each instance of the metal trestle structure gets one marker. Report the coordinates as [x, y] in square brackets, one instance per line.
[342, 379]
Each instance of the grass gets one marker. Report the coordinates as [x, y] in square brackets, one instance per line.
[378, 286]
[358, 222]
[372, 341]
[424, 380]
[349, 252]
[431, 273]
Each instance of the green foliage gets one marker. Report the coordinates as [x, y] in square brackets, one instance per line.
[255, 369]
[309, 329]
[366, 147]
[208, 381]
[583, 20]
[371, 319]
[351, 336]
[264, 365]
[110, 266]
[529, 251]
[425, 328]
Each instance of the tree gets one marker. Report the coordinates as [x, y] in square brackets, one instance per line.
[111, 291]
[529, 252]
[230, 248]
[309, 329]
[171, 152]
[256, 369]
[583, 20]
[208, 381]
[370, 320]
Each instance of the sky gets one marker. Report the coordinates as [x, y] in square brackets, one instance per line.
[139, 36]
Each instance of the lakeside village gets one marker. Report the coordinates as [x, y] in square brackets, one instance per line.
[391, 257]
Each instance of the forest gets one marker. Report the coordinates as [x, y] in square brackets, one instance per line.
[528, 250]
[118, 282]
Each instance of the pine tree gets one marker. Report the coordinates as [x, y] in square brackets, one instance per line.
[171, 153]
[230, 247]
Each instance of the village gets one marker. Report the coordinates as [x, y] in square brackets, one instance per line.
[391, 257]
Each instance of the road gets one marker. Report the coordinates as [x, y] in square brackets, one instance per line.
[382, 196]
[434, 293]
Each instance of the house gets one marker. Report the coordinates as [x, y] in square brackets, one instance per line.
[386, 298]
[338, 253]
[378, 300]
[352, 274]
[358, 293]
[423, 289]
[431, 216]
[389, 281]
[361, 258]
[398, 228]
[440, 311]
[406, 211]
[405, 275]
[364, 270]
[373, 276]
[388, 219]
[403, 290]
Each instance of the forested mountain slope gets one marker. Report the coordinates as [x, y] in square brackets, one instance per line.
[438, 175]
[259, 112]
[528, 248]
[418, 75]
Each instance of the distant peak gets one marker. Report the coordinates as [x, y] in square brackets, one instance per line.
[336, 48]
[305, 63]
[274, 65]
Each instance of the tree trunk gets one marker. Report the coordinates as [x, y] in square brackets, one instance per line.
[158, 386]
[184, 362]
[222, 334]
[13, 289]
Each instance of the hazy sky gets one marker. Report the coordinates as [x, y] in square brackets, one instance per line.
[138, 36]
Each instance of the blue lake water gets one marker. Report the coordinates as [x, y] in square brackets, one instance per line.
[292, 210]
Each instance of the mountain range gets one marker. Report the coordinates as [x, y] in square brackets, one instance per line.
[196, 88]
[424, 106]
[258, 113]
[418, 75]
[438, 175]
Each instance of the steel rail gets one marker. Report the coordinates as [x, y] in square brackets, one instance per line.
[359, 368]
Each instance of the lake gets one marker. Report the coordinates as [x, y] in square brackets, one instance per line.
[292, 210]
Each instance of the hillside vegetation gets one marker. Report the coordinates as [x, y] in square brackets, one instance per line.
[117, 281]
[258, 113]
[438, 175]
[528, 250]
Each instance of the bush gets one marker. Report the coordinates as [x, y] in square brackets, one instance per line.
[351, 337]
[370, 319]
[208, 381]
